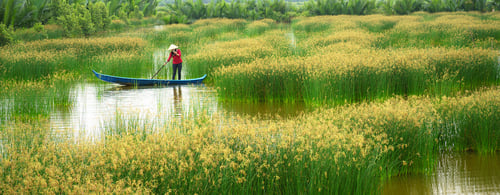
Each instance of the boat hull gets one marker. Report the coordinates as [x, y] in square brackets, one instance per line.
[146, 82]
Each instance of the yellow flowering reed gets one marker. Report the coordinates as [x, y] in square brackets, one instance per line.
[259, 26]
[348, 149]
[37, 59]
[219, 54]
[323, 23]
[471, 123]
[445, 30]
[220, 22]
[357, 74]
[256, 27]
[84, 45]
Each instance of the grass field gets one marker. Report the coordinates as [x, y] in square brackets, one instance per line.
[389, 93]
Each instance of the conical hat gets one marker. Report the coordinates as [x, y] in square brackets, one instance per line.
[172, 47]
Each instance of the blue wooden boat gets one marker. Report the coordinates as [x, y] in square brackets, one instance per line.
[145, 82]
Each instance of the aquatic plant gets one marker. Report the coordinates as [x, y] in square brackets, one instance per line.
[348, 149]
[352, 75]
[34, 98]
[450, 30]
[471, 123]
[38, 59]
[258, 27]
[368, 65]
[219, 54]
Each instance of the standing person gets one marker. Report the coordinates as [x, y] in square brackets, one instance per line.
[175, 55]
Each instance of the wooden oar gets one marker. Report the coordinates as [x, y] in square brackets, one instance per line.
[158, 71]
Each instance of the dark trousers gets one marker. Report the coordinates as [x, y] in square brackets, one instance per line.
[177, 67]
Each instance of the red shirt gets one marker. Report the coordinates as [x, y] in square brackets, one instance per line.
[176, 58]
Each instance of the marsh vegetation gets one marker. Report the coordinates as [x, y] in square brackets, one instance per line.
[385, 96]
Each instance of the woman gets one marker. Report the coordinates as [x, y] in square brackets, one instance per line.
[175, 55]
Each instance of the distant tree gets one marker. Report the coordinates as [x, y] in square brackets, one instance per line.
[23, 13]
[85, 20]
[100, 15]
[360, 7]
[324, 7]
[480, 5]
[150, 9]
[387, 6]
[114, 6]
[5, 36]
[454, 5]
[434, 6]
[8, 12]
[404, 7]
[495, 5]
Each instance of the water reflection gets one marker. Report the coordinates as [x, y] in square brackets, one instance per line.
[467, 173]
[97, 105]
[178, 100]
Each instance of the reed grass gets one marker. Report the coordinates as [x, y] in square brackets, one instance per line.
[179, 34]
[352, 76]
[313, 24]
[220, 54]
[49, 31]
[471, 123]
[349, 149]
[117, 25]
[211, 28]
[224, 23]
[258, 27]
[378, 25]
[38, 59]
[34, 64]
[37, 98]
[450, 30]
[126, 64]
[236, 159]
[355, 58]
[84, 46]
[192, 36]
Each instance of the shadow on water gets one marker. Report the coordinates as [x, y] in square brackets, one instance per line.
[457, 173]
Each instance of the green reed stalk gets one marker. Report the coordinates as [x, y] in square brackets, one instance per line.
[471, 123]
[180, 35]
[343, 80]
[466, 32]
[36, 98]
[346, 150]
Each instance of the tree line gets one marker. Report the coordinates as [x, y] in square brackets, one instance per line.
[86, 17]
[75, 17]
[180, 11]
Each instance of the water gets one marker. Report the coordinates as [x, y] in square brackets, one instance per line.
[464, 173]
[96, 105]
